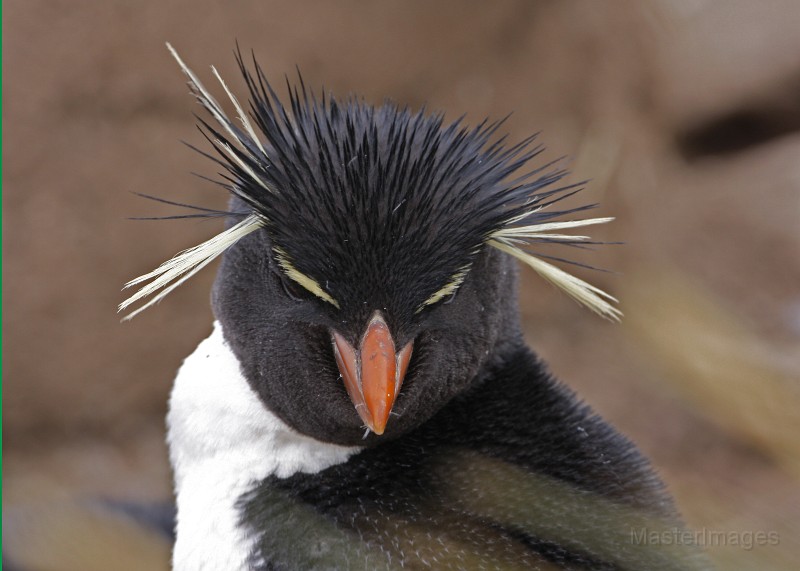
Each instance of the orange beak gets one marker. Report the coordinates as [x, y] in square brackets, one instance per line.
[373, 374]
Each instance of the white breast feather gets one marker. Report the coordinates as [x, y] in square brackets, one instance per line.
[223, 441]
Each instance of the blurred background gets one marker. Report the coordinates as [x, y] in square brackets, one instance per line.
[685, 115]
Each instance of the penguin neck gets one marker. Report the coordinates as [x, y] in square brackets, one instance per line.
[223, 441]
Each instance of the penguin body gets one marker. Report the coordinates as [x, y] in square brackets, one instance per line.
[514, 474]
[366, 400]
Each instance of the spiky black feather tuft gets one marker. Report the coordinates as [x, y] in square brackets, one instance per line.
[379, 205]
[357, 195]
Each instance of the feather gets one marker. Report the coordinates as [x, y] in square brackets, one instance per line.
[174, 272]
[584, 293]
[242, 115]
[186, 264]
[536, 230]
[205, 98]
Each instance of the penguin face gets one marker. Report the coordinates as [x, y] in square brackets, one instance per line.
[369, 302]
[289, 341]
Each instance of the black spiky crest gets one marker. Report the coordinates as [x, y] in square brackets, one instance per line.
[379, 204]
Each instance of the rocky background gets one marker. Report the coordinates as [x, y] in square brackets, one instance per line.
[685, 115]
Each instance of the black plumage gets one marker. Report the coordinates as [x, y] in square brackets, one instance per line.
[381, 204]
[514, 473]
[362, 213]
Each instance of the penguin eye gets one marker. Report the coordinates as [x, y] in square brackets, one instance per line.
[291, 289]
[447, 293]
[293, 278]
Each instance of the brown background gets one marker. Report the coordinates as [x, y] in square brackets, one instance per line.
[685, 114]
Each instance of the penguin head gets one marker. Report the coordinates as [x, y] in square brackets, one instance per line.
[366, 276]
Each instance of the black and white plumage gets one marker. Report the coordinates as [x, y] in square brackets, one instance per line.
[366, 400]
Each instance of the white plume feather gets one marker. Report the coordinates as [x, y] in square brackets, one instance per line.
[510, 240]
[184, 265]
[213, 107]
[242, 115]
[536, 230]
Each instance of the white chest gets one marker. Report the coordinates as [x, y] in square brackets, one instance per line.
[223, 441]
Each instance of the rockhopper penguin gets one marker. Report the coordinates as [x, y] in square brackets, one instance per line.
[366, 399]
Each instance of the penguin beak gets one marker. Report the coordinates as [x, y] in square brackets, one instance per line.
[374, 373]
